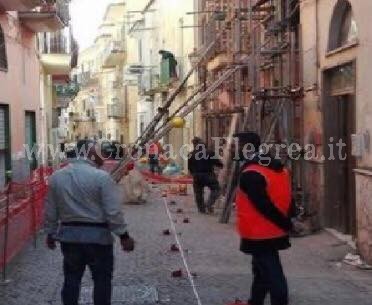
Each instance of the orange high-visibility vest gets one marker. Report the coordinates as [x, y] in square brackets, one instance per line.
[251, 224]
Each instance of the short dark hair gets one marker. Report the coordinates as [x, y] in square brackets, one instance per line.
[196, 141]
[249, 138]
[83, 146]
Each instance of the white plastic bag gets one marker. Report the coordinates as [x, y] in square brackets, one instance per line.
[135, 187]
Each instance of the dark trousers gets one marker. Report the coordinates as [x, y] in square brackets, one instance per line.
[200, 181]
[99, 259]
[268, 279]
[154, 164]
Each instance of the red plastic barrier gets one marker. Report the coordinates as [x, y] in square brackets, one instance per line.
[156, 178]
[21, 213]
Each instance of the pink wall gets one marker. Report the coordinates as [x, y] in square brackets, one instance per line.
[20, 86]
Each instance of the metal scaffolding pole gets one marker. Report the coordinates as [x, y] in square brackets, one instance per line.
[117, 172]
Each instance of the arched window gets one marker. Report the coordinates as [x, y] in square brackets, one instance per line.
[343, 30]
[3, 59]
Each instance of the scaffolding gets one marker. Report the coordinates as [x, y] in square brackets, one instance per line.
[264, 37]
[248, 71]
[276, 83]
[230, 19]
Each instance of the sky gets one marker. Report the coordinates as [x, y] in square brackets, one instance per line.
[86, 17]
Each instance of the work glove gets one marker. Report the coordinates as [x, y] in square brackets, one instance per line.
[51, 242]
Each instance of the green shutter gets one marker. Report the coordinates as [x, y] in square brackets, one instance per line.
[165, 69]
[4, 139]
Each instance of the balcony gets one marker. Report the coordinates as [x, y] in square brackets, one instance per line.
[56, 56]
[18, 5]
[114, 54]
[79, 117]
[65, 93]
[87, 78]
[150, 84]
[168, 71]
[49, 17]
[219, 62]
[56, 64]
[115, 111]
[117, 84]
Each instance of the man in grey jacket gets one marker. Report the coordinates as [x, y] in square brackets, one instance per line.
[83, 209]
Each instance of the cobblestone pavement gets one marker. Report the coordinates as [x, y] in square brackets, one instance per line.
[222, 273]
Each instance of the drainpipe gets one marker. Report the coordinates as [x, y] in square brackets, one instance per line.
[317, 67]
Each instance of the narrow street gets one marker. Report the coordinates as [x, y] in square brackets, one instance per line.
[221, 272]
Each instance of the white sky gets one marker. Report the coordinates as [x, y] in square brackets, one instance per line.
[86, 17]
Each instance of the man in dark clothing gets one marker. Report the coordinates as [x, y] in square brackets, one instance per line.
[263, 208]
[201, 164]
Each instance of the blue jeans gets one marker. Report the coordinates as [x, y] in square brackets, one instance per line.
[99, 259]
[269, 278]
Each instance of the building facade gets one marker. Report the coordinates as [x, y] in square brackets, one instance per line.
[23, 108]
[337, 107]
[19, 96]
[307, 83]
[163, 49]
[223, 41]
[58, 53]
[101, 108]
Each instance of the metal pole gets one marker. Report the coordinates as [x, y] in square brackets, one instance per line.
[116, 173]
[33, 215]
[237, 38]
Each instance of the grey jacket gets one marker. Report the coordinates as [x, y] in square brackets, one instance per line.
[82, 193]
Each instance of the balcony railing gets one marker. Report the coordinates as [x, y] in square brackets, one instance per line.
[87, 78]
[54, 45]
[49, 17]
[117, 84]
[150, 84]
[79, 117]
[115, 111]
[114, 54]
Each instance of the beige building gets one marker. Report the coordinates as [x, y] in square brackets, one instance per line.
[156, 30]
[100, 110]
[336, 75]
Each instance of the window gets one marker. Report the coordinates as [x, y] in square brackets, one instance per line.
[343, 29]
[342, 80]
[30, 136]
[349, 30]
[3, 58]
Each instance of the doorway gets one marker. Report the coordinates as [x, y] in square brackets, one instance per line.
[5, 148]
[339, 125]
